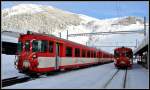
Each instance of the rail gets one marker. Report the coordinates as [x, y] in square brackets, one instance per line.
[14, 80]
[114, 75]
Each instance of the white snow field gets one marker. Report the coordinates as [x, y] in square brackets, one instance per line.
[92, 77]
[7, 61]
[8, 68]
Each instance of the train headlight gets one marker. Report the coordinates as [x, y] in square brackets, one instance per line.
[122, 62]
[117, 58]
[34, 56]
[26, 63]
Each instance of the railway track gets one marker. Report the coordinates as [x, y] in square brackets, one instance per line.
[115, 75]
[125, 79]
[14, 80]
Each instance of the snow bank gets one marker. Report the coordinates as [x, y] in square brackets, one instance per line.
[8, 68]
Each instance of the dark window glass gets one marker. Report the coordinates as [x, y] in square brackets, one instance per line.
[69, 51]
[19, 47]
[83, 53]
[51, 45]
[35, 46]
[39, 46]
[44, 46]
[94, 54]
[77, 52]
[129, 54]
[27, 46]
[116, 54]
[88, 54]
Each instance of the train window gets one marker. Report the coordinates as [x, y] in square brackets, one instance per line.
[44, 46]
[94, 54]
[19, 47]
[27, 45]
[39, 46]
[69, 51]
[129, 54]
[116, 54]
[35, 46]
[51, 44]
[88, 54]
[77, 52]
[83, 53]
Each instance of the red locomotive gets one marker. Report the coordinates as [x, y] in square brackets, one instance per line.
[42, 53]
[123, 57]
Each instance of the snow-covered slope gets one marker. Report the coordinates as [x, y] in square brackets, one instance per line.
[39, 18]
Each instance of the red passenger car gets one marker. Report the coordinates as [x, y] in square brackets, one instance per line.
[123, 57]
[41, 53]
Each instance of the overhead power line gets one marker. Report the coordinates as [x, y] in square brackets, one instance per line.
[107, 33]
[114, 46]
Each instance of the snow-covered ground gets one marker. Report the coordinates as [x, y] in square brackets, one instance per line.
[138, 77]
[93, 77]
[8, 69]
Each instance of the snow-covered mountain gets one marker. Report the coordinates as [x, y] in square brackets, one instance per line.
[48, 19]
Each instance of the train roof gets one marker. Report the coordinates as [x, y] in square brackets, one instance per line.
[57, 38]
[121, 48]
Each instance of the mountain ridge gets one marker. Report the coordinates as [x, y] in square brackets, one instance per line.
[39, 18]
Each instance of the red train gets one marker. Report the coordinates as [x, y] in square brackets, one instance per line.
[123, 57]
[42, 53]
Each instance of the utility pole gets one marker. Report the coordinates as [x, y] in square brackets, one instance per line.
[144, 26]
[60, 34]
[67, 34]
[136, 43]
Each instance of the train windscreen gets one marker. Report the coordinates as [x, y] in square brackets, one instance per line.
[123, 53]
[39, 45]
[27, 46]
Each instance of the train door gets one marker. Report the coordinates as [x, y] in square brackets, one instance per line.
[57, 55]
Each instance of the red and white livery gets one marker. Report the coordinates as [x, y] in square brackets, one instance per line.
[41, 53]
[123, 57]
